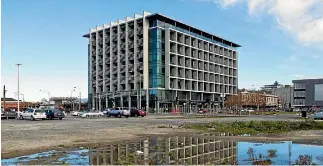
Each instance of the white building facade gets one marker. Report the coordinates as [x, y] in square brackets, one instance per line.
[154, 62]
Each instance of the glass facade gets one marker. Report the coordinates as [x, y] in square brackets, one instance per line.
[319, 92]
[156, 59]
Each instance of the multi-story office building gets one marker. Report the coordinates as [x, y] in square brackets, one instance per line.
[308, 93]
[155, 61]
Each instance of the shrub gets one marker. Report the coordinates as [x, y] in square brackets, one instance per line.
[254, 127]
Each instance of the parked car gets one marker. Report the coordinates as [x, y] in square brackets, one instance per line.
[119, 112]
[75, 113]
[8, 114]
[202, 111]
[318, 115]
[137, 112]
[105, 112]
[125, 112]
[80, 113]
[33, 114]
[92, 114]
[52, 114]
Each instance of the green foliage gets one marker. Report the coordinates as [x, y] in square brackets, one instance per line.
[272, 153]
[229, 161]
[261, 159]
[304, 160]
[257, 127]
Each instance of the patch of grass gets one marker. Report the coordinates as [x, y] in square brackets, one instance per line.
[257, 127]
[199, 117]
[288, 113]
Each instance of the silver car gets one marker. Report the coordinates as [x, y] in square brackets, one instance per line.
[318, 115]
[125, 112]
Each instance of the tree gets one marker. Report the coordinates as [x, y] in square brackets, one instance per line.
[44, 101]
[304, 160]
[261, 159]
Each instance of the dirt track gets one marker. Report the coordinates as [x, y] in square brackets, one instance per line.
[26, 137]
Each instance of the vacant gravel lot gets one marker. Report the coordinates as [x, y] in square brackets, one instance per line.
[20, 137]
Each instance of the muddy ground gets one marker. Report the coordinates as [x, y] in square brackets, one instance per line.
[26, 137]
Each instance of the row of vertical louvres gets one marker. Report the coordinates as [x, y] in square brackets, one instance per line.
[117, 58]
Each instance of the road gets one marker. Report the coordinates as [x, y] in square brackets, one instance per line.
[22, 136]
[74, 122]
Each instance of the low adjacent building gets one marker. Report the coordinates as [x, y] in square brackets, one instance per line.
[11, 103]
[271, 100]
[308, 93]
[285, 96]
[253, 99]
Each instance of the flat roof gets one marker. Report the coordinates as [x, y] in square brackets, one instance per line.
[308, 79]
[206, 34]
[178, 23]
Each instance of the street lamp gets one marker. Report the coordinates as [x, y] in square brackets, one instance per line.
[223, 97]
[72, 98]
[23, 99]
[48, 96]
[80, 99]
[18, 65]
[257, 97]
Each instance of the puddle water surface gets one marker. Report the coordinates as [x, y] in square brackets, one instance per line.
[191, 150]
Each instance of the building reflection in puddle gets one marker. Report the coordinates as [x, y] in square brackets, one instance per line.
[166, 150]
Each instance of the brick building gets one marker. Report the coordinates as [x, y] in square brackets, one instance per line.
[12, 103]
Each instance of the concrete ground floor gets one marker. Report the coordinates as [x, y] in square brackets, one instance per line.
[158, 100]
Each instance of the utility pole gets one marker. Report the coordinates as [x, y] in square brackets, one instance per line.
[23, 99]
[72, 98]
[80, 101]
[18, 65]
[4, 98]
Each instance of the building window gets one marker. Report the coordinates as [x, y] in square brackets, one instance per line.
[299, 94]
[156, 58]
[299, 85]
[318, 90]
[299, 102]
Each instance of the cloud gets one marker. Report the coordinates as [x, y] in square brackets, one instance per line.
[292, 58]
[315, 56]
[301, 18]
[222, 3]
[299, 76]
[227, 3]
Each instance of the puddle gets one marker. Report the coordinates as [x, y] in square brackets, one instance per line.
[74, 157]
[190, 150]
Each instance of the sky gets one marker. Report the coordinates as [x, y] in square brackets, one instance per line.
[281, 40]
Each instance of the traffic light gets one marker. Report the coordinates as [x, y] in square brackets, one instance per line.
[176, 99]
